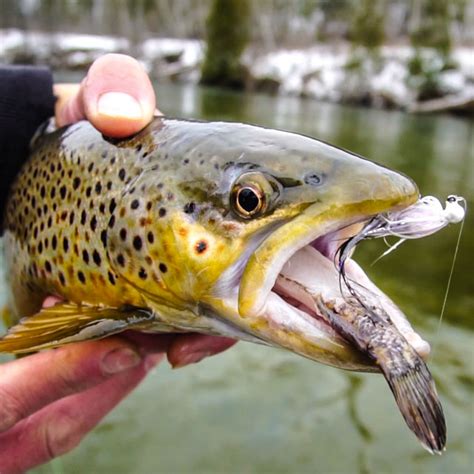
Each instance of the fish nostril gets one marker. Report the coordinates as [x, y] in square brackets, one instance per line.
[313, 179]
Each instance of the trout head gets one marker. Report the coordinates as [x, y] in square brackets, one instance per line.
[221, 210]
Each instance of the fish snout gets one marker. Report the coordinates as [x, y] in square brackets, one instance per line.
[380, 188]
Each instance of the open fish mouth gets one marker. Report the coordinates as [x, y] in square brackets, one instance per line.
[310, 309]
[292, 265]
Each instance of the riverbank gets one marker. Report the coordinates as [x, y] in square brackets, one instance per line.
[395, 76]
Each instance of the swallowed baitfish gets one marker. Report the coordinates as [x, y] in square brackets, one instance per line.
[211, 227]
[371, 330]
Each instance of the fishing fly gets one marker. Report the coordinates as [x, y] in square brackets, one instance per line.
[427, 216]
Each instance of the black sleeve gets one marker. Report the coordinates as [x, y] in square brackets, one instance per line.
[26, 100]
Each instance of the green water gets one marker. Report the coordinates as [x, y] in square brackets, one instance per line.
[255, 409]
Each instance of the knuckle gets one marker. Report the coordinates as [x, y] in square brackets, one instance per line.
[11, 409]
[61, 433]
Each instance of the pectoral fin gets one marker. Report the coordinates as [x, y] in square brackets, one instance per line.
[66, 322]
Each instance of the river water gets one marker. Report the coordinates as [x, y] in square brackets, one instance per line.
[256, 409]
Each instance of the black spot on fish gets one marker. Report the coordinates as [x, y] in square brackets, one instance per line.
[162, 212]
[81, 277]
[135, 204]
[142, 273]
[83, 217]
[121, 260]
[189, 207]
[85, 256]
[96, 257]
[62, 280]
[111, 278]
[103, 238]
[102, 208]
[98, 187]
[123, 234]
[63, 192]
[112, 205]
[150, 237]
[71, 218]
[163, 268]
[89, 191]
[111, 222]
[137, 242]
[76, 182]
[65, 244]
[47, 266]
[93, 223]
[54, 242]
[121, 174]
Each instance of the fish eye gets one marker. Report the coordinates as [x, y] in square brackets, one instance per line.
[250, 195]
[248, 201]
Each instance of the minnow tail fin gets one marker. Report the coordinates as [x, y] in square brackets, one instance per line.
[67, 322]
[417, 399]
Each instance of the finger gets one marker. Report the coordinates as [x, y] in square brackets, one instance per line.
[50, 301]
[117, 95]
[191, 348]
[30, 383]
[68, 108]
[150, 343]
[59, 427]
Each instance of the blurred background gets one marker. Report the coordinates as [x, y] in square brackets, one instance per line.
[392, 80]
[407, 54]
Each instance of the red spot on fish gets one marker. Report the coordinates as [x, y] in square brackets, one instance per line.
[201, 246]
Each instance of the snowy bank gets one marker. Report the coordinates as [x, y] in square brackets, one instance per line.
[394, 77]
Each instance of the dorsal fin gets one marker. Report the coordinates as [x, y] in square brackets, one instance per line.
[67, 322]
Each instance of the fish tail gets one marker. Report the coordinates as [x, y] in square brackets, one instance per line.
[415, 393]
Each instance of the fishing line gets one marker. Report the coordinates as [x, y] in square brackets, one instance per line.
[448, 286]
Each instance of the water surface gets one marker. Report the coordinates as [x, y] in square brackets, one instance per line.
[255, 409]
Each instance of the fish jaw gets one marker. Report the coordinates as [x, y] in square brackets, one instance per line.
[265, 311]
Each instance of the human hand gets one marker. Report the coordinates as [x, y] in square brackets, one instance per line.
[50, 400]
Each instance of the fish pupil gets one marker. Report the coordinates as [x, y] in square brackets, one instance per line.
[248, 200]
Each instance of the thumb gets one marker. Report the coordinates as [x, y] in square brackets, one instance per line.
[116, 96]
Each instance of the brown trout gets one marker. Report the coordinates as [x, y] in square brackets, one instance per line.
[196, 226]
